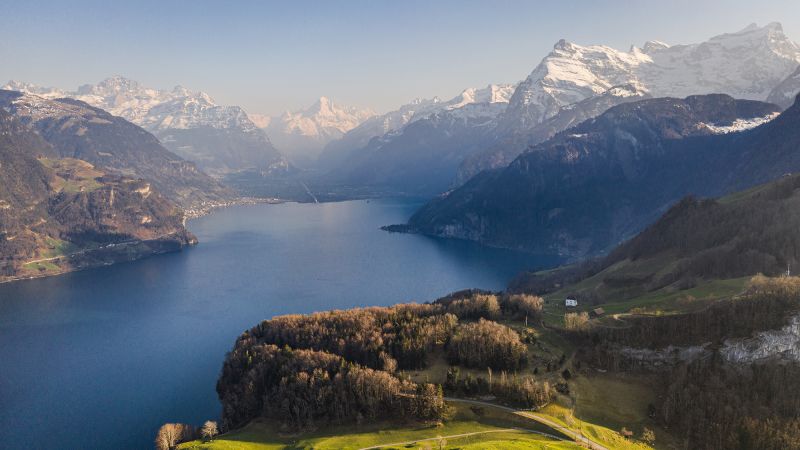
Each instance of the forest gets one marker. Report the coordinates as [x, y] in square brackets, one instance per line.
[348, 366]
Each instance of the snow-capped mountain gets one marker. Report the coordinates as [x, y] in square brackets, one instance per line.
[784, 94]
[487, 102]
[425, 143]
[30, 88]
[303, 134]
[218, 138]
[747, 64]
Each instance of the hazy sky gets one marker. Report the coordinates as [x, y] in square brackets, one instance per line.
[273, 56]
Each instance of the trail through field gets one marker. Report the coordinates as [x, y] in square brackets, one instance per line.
[577, 437]
[456, 436]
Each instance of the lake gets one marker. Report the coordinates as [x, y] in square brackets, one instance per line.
[101, 358]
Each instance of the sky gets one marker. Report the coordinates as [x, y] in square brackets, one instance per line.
[273, 56]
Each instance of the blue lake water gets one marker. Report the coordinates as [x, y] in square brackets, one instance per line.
[101, 358]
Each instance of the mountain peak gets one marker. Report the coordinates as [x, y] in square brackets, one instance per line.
[323, 106]
[118, 83]
[654, 45]
[562, 44]
[321, 122]
[772, 29]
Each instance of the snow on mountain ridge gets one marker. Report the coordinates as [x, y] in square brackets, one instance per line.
[150, 108]
[491, 100]
[747, 64]
[324, 119]
[30, 88]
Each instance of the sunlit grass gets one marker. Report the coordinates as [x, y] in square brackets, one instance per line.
[492, 424]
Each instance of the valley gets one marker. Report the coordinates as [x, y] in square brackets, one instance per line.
[440, 225]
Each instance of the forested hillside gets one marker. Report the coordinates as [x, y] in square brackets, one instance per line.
[604, 180]
[750, 232]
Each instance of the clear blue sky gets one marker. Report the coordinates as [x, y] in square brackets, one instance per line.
[273, 56]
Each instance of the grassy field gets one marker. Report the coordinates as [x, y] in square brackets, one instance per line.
[74, 175]
[56, 247]
[663, 301]
[41, 266]
[598, 433]
[470, 428]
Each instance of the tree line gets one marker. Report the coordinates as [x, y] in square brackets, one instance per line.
[523, 391]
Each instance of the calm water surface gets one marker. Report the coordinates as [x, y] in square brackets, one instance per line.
[101, 358]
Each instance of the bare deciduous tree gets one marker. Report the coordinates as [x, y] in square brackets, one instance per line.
[209, 430]
[576, 321]
[172, 434]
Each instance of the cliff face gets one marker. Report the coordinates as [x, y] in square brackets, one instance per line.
[63, 214]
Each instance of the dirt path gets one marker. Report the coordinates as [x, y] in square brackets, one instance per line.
[577, 437]
[456, 436]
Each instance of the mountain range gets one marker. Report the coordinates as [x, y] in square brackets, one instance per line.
[750, 64]
[571, 84]
[425, 144]
[747, 64]
[219, 139]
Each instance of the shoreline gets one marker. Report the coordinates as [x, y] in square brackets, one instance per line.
[209, 207]
[118, 254]
[189, 213]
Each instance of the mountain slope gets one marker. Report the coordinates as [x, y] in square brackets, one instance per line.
[783, 95]
[77, 130]
[501, 154]
[604, 180]
[337, 151]
[58, 215]
[748, 232]
[303, 134]
[190, 124]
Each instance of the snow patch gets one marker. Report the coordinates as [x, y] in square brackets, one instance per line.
[740, 124]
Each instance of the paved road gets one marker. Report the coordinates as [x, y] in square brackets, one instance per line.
[93, 249]
[577, 437]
